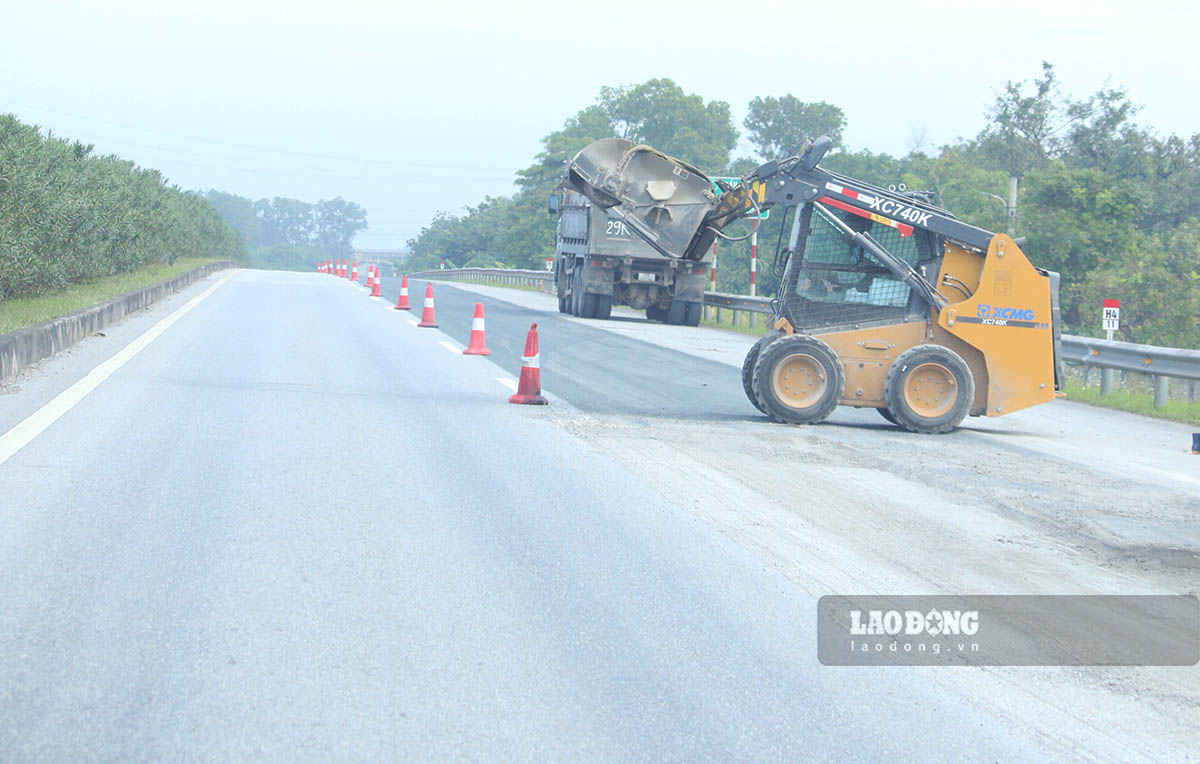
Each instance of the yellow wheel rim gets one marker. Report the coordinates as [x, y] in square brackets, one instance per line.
[930, 390]
[799, 381]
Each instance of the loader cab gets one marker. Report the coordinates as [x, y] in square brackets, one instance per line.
[829, 281]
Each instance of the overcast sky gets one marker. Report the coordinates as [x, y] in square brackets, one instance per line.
[409, 109]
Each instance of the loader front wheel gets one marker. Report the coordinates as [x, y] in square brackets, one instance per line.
[798, 379]
[929, 389]
[751, 360]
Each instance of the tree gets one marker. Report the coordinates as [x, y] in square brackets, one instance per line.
[660, 114]
[776, 125]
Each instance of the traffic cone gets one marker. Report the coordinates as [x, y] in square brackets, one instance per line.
[478, 342]
[345, 270]
[427, 316]
[354, 272]
[370, 276]
[376, 288]
[529, 387]
[402, 303]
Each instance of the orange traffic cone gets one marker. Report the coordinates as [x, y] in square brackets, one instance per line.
[402, 303]
[354, 272]
[345, 270]
[376, 288]
[427, 316]
[478, 342]
[371, 277]
[529, 387]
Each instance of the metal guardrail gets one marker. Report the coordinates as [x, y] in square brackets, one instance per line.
[1129, 356]
[1160, 362]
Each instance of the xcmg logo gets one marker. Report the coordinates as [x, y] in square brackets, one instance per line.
[1009, 314]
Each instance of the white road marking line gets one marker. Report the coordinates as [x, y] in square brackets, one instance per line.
[36, 423]
[451, 347]
[413, 322]
[508, 382]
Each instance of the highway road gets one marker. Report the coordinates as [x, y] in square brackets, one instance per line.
[293, 525]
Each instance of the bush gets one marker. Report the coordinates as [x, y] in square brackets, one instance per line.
[67, 216]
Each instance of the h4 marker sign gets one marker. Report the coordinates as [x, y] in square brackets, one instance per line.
[1111, 317]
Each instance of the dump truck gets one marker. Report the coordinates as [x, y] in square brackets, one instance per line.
[885, 299]
[599, 262]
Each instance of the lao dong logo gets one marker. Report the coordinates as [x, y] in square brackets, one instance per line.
[912, 623]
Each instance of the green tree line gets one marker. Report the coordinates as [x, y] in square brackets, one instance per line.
[1110, 204]
[68, 215]
[290, 233]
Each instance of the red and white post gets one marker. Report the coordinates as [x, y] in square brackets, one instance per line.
[753, 267]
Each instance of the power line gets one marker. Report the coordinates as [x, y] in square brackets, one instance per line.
[254, 147]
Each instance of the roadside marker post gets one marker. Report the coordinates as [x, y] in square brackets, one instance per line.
[1110, 319]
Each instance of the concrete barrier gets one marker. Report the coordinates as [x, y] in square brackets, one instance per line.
[24, 347]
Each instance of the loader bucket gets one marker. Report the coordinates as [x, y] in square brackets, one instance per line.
[664, 200]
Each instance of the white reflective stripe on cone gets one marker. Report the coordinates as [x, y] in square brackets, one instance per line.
[532, 361]
[477, 324]
[429, 302]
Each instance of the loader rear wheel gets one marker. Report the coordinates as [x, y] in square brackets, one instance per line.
[883, 412]
[798, 379]
[748, 366]
[929, 389]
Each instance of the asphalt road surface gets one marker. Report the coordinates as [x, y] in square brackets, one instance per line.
[295, 526]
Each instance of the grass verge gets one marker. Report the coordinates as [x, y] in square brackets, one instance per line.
[1187, 412]
[18, 314]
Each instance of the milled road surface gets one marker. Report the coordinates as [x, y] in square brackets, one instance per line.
[296, 527]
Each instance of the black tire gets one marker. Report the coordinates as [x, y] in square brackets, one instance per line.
[589, 305]
[577, 291]
[603, 306]
[677, 312]
[564, 300]
[883, 412]
[929, 389]
[808, 399]
[655, 313]
[748, 367]
[692, 313]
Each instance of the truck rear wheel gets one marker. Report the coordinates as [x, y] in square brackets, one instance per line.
[564, 301]
[929, 389]
[655, 313]
[692, 313]
[798, 379]
[589, 305]
[577, 292]
[603, 306]
[677, 313]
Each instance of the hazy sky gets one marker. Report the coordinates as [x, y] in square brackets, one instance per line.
[412, 108]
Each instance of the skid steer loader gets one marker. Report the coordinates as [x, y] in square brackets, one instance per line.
[885, 300]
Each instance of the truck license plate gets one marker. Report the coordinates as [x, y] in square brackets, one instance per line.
[645, 277]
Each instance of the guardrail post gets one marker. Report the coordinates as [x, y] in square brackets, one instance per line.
[718, 312]
[753, 320]
[1106, 381]
[736, 318]
[1192, 390]
[1161, 389]
[1087, 373]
